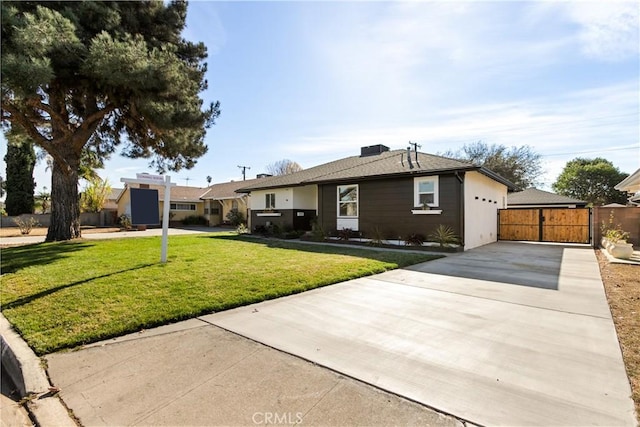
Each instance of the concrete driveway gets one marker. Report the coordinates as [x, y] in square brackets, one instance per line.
[506, 334]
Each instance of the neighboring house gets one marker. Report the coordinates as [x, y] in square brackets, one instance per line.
[112, 199]
[185, 201]
[534, 198]
[221, 199]
[396, 192]
[631, 186]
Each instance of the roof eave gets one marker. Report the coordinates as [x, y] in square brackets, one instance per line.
[491, 174]
[395, 175]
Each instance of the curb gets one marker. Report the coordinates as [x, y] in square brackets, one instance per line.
[27, 373]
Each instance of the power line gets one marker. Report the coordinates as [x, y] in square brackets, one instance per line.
[634, 147]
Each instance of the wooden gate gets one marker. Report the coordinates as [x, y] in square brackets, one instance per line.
[563, 225]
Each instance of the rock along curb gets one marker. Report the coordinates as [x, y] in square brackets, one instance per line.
[24, 368]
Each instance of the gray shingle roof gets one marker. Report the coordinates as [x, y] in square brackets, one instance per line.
[227, 190]
[181, 193]
[387, 164]
[533, 196]
[115, 194]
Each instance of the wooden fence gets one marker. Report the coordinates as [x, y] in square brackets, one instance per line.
[563, 225]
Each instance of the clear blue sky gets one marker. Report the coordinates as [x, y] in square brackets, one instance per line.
[313, 82]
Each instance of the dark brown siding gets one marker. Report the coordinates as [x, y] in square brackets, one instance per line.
[289, 218]
[387, 204]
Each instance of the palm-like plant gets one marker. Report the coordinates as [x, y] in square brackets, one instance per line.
[443, 235]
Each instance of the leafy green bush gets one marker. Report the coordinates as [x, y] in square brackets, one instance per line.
[235, 217]
[125, 221]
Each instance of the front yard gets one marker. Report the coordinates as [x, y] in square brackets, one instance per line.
[622, 285]
[61, 295]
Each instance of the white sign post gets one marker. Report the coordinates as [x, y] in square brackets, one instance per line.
[165, 218]
[144, 178]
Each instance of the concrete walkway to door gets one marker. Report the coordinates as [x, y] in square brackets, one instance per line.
[506, 334]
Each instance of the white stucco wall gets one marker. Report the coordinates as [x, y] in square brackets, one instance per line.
[284, 199]
[482, 199]
[305, 197]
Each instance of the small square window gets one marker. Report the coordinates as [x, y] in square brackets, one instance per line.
[270, 201]
[426, 191]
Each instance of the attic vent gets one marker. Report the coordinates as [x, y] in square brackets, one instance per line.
[263, 175]
[373, 150]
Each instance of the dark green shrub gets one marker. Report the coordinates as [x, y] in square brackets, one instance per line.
[345, 234]
[194, 220]
[414, 240]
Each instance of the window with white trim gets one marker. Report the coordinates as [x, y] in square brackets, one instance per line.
[348, 201]
[269, 201]
[426, 191]
[183, 206]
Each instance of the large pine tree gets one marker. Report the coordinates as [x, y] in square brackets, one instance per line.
[92, 76]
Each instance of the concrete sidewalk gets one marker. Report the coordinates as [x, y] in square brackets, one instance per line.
[195, 374]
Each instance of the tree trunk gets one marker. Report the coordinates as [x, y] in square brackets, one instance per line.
[65, 203]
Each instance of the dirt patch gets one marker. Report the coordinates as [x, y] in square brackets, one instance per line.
[622, 285]
[42, 231]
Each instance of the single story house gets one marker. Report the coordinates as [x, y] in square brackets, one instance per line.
[112, 199]
[631, 186]
[213, 202]
[534, 198]
[397, 192]
[185, 201]
[220, 199]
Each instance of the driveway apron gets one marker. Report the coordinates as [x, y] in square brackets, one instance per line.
[506, 334]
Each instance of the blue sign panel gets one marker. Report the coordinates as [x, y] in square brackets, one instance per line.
[144, 207]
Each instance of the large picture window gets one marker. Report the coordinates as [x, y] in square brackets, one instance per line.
[426, 191]
[348, 201]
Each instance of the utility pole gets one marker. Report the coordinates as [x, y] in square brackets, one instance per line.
[187, 179]
[244, 171]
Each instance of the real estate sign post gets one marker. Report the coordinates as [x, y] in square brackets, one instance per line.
[143, 178]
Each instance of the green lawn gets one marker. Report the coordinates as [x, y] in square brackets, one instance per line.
[60, 295]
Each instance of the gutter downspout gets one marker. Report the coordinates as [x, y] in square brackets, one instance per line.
[460, 176]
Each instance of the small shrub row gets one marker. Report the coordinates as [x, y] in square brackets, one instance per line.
[276, 230]
[443, 235]
[195, 220]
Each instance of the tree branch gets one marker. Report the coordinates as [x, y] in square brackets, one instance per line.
[38, 104]
[18, 117]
